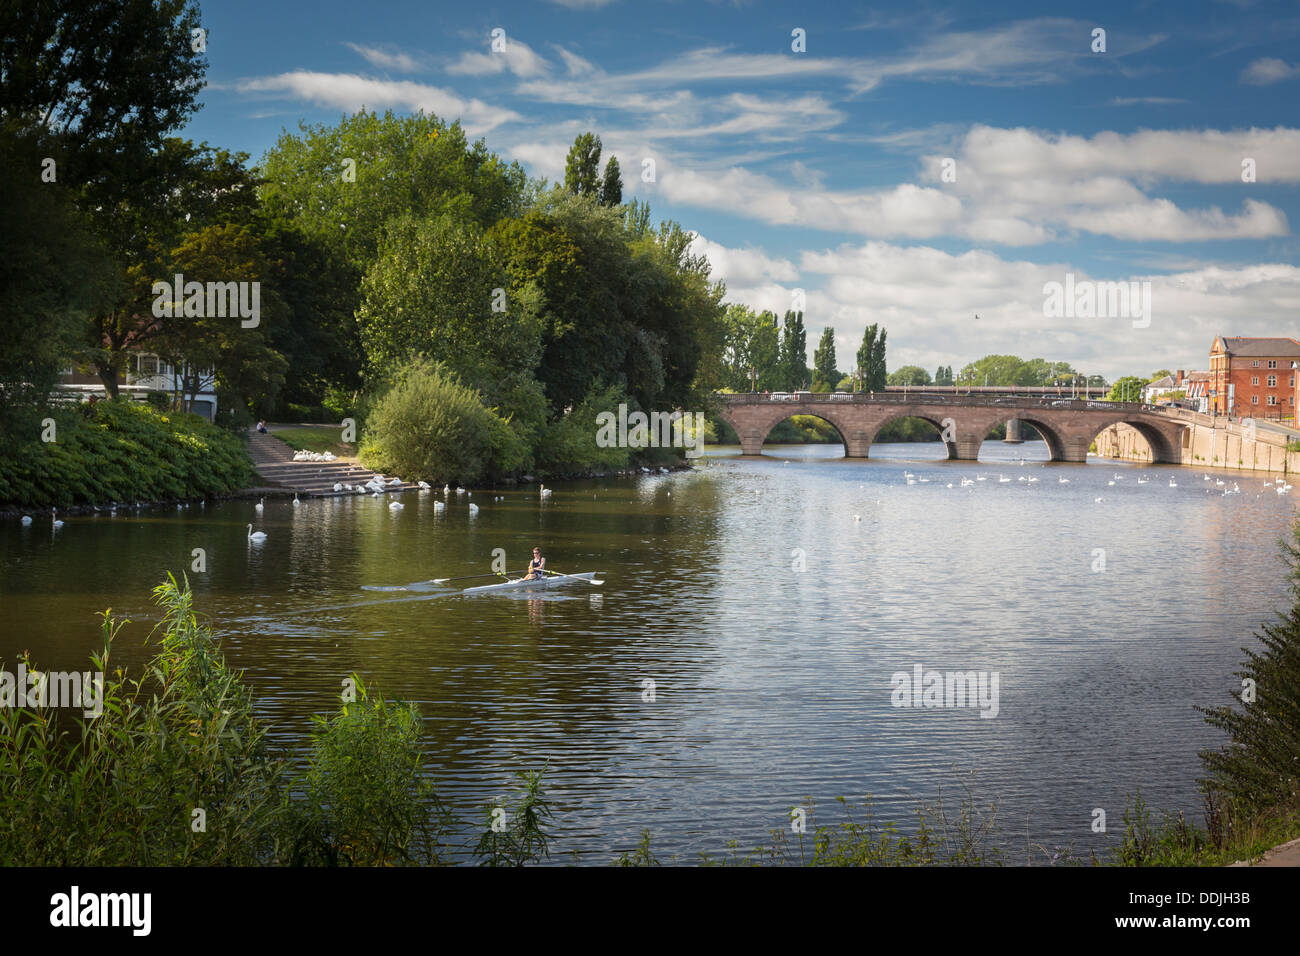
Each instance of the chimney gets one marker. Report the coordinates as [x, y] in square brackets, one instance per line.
[1178, 377]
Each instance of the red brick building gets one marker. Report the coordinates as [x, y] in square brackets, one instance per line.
[1253, 377]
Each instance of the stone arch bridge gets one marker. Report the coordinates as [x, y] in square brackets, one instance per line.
[1069, 426]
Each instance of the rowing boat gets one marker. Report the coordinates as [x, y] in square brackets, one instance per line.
[541, 584]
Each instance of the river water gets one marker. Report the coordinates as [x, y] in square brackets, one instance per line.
[770, 601]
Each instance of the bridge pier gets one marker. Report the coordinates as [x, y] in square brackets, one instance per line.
[857, 444]
[1013, 432]
[964, 449]
[751, 443]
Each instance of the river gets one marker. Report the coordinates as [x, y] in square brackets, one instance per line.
[768, 616]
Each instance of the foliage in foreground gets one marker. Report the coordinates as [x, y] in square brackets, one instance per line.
[176, 770]
[121, 451]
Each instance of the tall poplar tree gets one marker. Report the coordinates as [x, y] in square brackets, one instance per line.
[824, 371]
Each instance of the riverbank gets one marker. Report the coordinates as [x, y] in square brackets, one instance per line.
[1213, 442]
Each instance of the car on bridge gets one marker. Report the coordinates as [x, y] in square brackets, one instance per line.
[784, 397]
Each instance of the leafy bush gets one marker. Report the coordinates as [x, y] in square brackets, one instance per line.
[429, 426]
[569, 443]
[123, 451]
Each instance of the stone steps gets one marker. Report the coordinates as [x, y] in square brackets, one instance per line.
[274, 462]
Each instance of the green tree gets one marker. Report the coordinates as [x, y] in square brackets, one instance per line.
[1256, 771]
[582, 166]
[943, 375]
[1127, 389]
[794, 352]
[825, 375]
[909, 375]
[871, 359]
[344, 184]
[439, 289]
[611, 187]
[53, 276]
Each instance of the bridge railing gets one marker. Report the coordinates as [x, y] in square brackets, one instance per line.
[923, 397]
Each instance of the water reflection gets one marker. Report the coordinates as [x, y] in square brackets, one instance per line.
[769, 602]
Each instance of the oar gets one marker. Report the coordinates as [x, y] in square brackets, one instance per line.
[592, 581]
[467, 577]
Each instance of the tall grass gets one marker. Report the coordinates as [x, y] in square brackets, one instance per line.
[176, 770]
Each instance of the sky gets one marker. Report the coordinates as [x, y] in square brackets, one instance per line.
[915, 165]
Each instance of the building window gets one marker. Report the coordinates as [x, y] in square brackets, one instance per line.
[1255, 364]
[1272, 400]
[1272, 381]
[1254, 380]
[1272, 363]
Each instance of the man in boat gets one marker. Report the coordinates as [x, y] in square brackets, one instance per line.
[536, 567]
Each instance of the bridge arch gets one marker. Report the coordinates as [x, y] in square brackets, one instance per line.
[1165, 444]
[754, 430]
[935, 420]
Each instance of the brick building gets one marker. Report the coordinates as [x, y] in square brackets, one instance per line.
[1253, 377]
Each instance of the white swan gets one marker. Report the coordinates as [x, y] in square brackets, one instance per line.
[439, 506]
[473, 510]
[296, 502]
[27, 519]
[1172, 483]
[338, 486]
[256, 535]
[1003, 479]
[425, 486]
[1062, 481]
[53, 520]
[544, 491]
[395, 506]
[257, 507]
[446, 489]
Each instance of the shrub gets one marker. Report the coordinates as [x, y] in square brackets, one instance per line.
[569, 443]
[429, 426]
[123, 451]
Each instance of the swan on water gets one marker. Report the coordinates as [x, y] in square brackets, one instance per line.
[256, 535]
[425, 486]
[1062, 481]
[1172, 483]
[296, 502]
[54, 520]
[257, 507]
[338, 486]
[473, 509]
[395, 506]
[544, 492]
[439, 506]
[27, 519]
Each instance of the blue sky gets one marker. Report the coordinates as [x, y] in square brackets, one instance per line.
[823, 170]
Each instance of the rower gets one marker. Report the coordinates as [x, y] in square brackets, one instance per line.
[536, 567]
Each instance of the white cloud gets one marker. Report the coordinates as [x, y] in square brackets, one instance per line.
[927, 299]
[517, 57]
[1268, 70]
[388, 58]
[350, 92]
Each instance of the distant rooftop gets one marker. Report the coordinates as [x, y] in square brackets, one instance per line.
[1245, 345]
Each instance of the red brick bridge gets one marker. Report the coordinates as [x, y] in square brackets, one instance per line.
[1069, 426]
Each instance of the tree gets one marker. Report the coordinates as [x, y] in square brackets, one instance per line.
[871, 359]
[909, 375]
[825, 375]
[943, 375]
[582, 166]
[1127, 389]
[611, 187]
[1256, 771]
[794, 352]
[53, 276]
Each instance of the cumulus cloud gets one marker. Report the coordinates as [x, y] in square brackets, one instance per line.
[928, 298]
